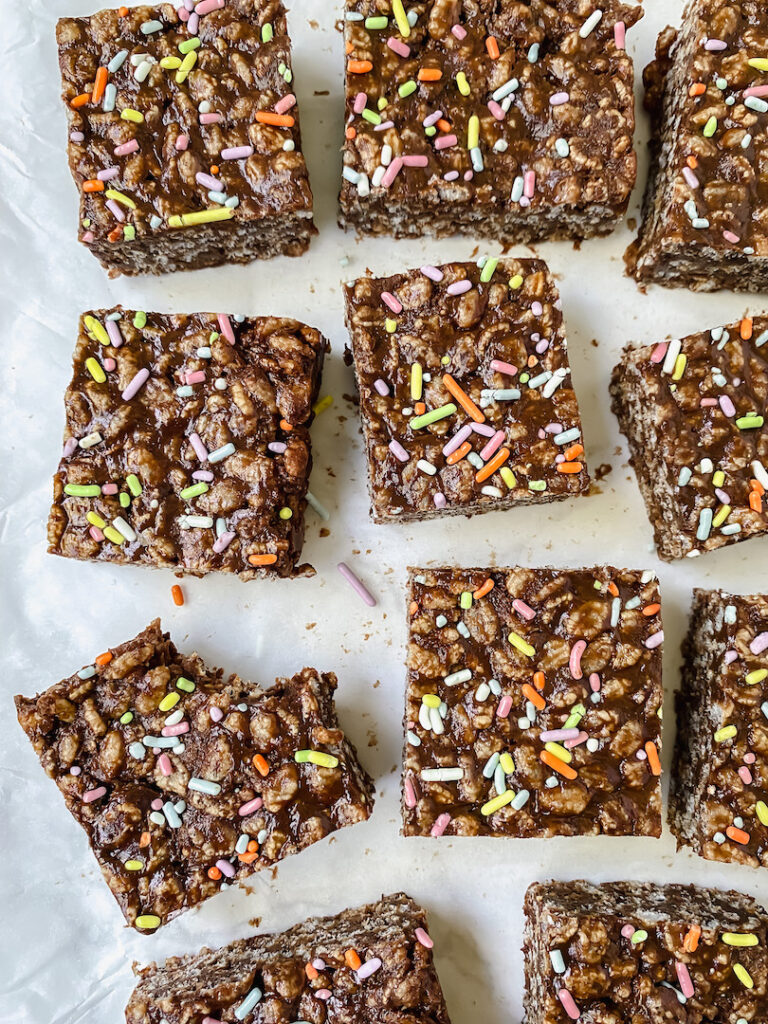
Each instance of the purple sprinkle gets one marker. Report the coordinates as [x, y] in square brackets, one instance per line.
[484, 429]
[458, 439]
[203, 474]
[536, 308]
[727, 405]
[114, 209]
[221, 544]
[730, 656]
[114, 333]
[75, 770]
[542, 346]
[70, 445]
[459, 287]
[715, 44]
[432, 119]
[759, 644]
[76, 137]
[723, 496]
[432, 272]
[225, 868]
[459, 32]
[439, 500]
[108, 173]
[451, 176]
[208, 181]
[237, 153]
[136, 384]
[557, 735]
[368, 968]
[384, 126]
[558, 99]
[655, 640]
[216, 713]
[381, 387]
[398, 451]
[200, 450]
[690, 177]
[356, 584]
[277, 446]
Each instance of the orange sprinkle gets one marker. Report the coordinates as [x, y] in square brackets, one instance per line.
[93, 185]
[286, 426]
[463, 399]
[311, 972]
[651, 609]
[247, 858]
[738, 835]
[177, 594]
[261, 765]
[429, 74]
[458, 455]
[115, 234]
[490, 468]
[144, 840]
[359, 67]
[279, 120]
[755, 501]
[557, 765]
[757, 486]
[214, 873]
[492, 47]
[103, 659]
[413, 607]
[419, 408]
[569, 467]
[486, 588]
[532, 361]
[691, 940]
[122, 11]
[352, 959]
[348, 48]
[697, 89]
[99, 85]
[613, 590]
[692, 162]
[653, 757]
[573, 452]
[252, 846]
[539, 679]
[267, 559]
[745, 328]
[535, 698]
[443, 125]
[350, 132]
[214, 168]
[81, 100]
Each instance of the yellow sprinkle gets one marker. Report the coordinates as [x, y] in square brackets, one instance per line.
[322, 759]
[96, 370]
[756, 676]
[129, 114]
[170, 63]
[473, 132]
[507, 763]
[381, 102]
[93, 326]
[147, 921]
[134, 865]
[758, 63]
[416, 381]
[186, 66]
[431, 700]
[95, 520]
[186, 220]
[739, 939]
[508, 477]
[401, 18]
[718, 478]
[111, 534]
[463, 84]
[679, 370]
[497, 803]
[322, 404]
[120, 197]
[169, 701]
[516, 282]
[721, 515]
[390, 325]
[743, 975]
[762, 812]
[726, 733]
[559, 751]
[525, 648]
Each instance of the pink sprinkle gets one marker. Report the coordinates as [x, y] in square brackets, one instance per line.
[536, 308]
[745, 775]
[459, 32]
[285, 104]
[136, 384]
[440, 500]
[723, 496]
[657, 356]
[628, 931]
[360, 102]
[432, 118]
[730, 656]
[181, 143]
[226, 328]
[686, 985]
[423, 938]
[496, 109]
[381, 387]
[459, 287]
[126, 147]
[237, 153]
[641, 755]
[250, 806]
[368, 968]
[655, 640]
[730, 237]
[76, 136]
[108, 174]
[323, 993]
[183, 14]
[88, 237]
[715, 44]
[594, 682]
[70, 445]
[398, 451]
[501, 367]
[727, 405]
[157, 804]
[440, 825]
[200, 450]
[109, 489]
[216, 713]
[558, 735]
[484, 429]
[384, 126]
[115, 210]
[409, 793]
[505, 706]
[750, 758]
[109, 364]
[194, 377]
[759, 644]
[206, 1020]
[620, 35]
[529, 184]
[357, 585]
[574, 661]
[690, 177]
[213, 118]
[176, 730]
[398, 47]
[523, 610]
[206, 6]
[415, 160]
[445, 141]
[569, 1005]
[756, 90]
[582, 737]
[458, 439]
[225, 868]
[193, 23]
[432, 272]
[203, 474]
[114, 333]
[392, 172]
[496, 442]
[208, 181]
[96, 533]
[393, 303]
[164, 764]
[94, 794]
[558, 99]
[707, 403]
[469, 175]
[223, 542]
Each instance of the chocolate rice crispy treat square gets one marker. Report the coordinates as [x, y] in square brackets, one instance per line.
[184, 135]
[718, 801]
[368, 965]
[693, 412]
[638, 951]
[533, 703]
[510, 120]
[187, 443]
[465, 393]
[185, 780]
[705, 213]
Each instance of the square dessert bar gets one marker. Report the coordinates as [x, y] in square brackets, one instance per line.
[508, 120]
[369, 965]
[533, 703]
[719, 792]
[705, 214]
[638, 951]
[465, 393]
[187, 442]
[184, 135]
[185, 781]
[693, 412]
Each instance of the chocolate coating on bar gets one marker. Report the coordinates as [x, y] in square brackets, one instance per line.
[403, 989]
[162, 844]
[694, 416]
[187, 119]
[634, 951]
[460, 335]
[719, 799]
[248, 395]
[705, 223]
[459, 61]
[595, 635]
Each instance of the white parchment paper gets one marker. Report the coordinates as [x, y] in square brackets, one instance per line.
[65, 957]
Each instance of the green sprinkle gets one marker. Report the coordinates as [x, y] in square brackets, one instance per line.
[489, 269]
[524, 378]
[372, 116]
[640, 935]
[377, 22]
[267, 33]
[126, 718]
[433, 416]
[124, 499]
[134, 484]
[139, 319]
[82, 490]
[185, 684]
[193, 491]
[407, 88]
[189, 44]
[381, 102]
[710, 127]
[465, 601]
[129, 232]
[316, 757]
[537, 485]
[749, 422]
[430, 131]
